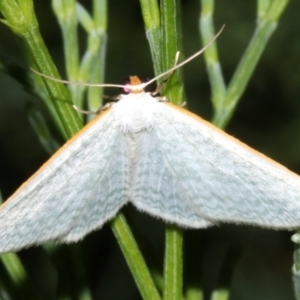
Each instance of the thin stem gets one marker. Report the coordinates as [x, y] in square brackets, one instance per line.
[267, 23]
[296, 266]
[173, 264]
[134, 258]
[211, 56]
[21, 18]
[94, 99]
[151, 16]
[170, 33]
[65, 12]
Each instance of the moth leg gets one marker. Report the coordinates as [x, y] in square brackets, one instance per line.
[100, 109]
[162, 99]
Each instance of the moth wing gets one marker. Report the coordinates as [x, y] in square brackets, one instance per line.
[221, 179]
[61, 194]
[107, 185]
[156, 189]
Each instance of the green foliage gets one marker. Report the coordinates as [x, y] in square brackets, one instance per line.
[164, 29]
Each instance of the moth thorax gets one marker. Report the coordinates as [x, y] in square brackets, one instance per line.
[136, 112]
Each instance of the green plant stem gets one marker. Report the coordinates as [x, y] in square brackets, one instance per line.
[58, 93]
[170, 39]
[94, 98]
[170, 34]
[213, 65]
[134, 258]
[266, 25]
[65, 12]
[262, 8]
[18, 276]
[296, 266]
[151, 16]
[225, 100]
[91, 68]
[15, 268]
[173, 263]
[243, 73]
[21, 19]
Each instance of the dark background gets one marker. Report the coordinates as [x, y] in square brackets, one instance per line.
[267, 119]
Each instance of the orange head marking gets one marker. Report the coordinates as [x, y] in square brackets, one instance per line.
[134, 86]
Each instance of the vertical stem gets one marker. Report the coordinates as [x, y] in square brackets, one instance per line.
[213, 66]
[94, 98]
[170, 33]
[173, 264]
[296, 266]
[151, 16]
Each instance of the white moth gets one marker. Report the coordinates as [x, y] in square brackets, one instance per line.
[163, 159]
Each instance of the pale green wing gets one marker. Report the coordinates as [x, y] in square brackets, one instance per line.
[106, 189]
[156, 188]
[57, 202]
[215, 176]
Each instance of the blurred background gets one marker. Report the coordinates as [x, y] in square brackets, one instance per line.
[255, 263]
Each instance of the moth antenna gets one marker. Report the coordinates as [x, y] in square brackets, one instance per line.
[161, 85]
[175, 67]
[76, 82]
[135, 87]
